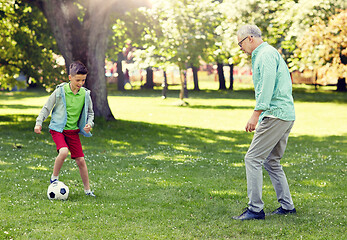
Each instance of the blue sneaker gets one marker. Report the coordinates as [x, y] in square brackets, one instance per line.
[52, 181]
[90, 194]
[282, 211]
[249, 215]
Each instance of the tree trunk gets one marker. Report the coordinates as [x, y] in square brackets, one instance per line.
[184, 90]
[315, 79]
[341, 82]
[59, 17]
[99, 23]
[231, 87]
[341, 85]
[195, 77]
[221, 77]
[120, 77]
[149, 78]
[85, 41]
[165, 86]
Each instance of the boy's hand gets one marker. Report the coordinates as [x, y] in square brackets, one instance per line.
[38, 129]
[87, 128]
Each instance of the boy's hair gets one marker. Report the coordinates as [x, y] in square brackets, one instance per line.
[249, 30]
[77, 67]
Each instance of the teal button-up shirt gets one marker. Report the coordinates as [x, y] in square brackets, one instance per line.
[272, 84]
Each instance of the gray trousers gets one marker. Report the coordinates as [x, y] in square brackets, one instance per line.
[267, 148]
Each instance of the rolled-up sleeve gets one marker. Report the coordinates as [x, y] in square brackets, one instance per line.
[266, 71]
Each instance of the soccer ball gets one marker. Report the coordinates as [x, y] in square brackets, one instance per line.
[57, 190]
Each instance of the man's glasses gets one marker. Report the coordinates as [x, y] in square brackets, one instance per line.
[240, 43]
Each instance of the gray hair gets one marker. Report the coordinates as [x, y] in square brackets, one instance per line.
[249, 30]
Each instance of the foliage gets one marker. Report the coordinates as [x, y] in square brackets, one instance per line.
[185, 32]
[176, 32]
[128, 33]
[293, 18]
[233, 15]
[27, 46]
[324, 45]
[172, 181]
[81, 30]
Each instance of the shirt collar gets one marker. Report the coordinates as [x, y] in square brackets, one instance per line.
[69, 91]
[257, 50]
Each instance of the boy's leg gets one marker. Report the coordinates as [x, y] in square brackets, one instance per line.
[63, 151]
[277, 175]
[59, 160]
[83, 172]
[75, 147]
[73, 141]
[84, 175]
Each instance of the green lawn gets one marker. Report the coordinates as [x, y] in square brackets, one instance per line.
[162, 171]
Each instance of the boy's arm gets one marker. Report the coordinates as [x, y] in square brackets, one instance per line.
[45, 111]
[90, 117]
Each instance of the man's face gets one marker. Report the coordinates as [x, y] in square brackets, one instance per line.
[77, 81]
[244, 43]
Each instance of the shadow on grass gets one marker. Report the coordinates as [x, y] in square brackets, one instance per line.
[219, 107]
[202, 94]
[305, 95]
[149, 172]
[135, 142]
[300, 94]
[139, 137]
[5, 95]
[154, 157]
[18, 106]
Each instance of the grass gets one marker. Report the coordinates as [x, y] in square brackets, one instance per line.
[167, 172]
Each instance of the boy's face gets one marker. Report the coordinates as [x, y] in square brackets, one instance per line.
[77, 81]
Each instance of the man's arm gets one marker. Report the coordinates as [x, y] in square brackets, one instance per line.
[264, 91]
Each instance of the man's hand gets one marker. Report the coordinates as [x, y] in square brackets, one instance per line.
[87, 128]
[38, 129]
[253, 121]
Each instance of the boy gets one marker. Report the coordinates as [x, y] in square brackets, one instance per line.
[72, 114]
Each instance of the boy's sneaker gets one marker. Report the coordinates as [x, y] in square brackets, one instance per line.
[52, 181]
[90, 194]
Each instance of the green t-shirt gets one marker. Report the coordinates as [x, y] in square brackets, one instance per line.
[74, 106]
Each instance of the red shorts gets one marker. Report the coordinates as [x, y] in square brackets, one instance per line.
[69, 139]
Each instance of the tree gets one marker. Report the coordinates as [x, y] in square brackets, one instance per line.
[128, 34]
[291, 24]
[282, 22]
[81, 30]
[28, 46]
[235, 13]
[293, 18]
[186, 29]
[324, 47]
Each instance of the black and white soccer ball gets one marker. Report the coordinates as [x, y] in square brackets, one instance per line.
[57, 190]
